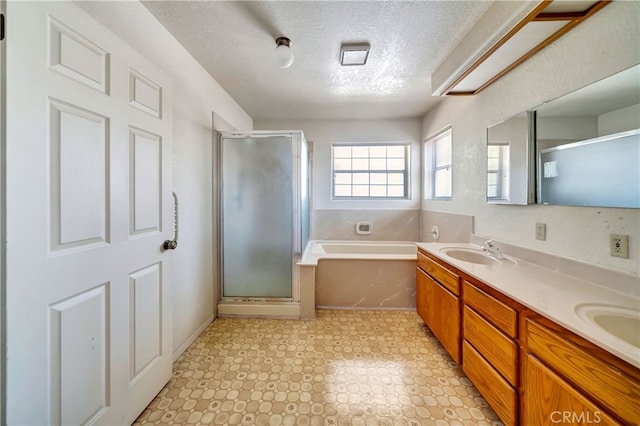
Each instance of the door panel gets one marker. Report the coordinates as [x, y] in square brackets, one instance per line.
[79, 353]
[146, 320]
[88, 208]
[77, 57]
[79, 162]
[146, 181]
[145, 94]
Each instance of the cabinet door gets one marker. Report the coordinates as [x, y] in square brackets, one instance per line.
[441, 312]
[619, 393]
[548, 399]
[421, 293]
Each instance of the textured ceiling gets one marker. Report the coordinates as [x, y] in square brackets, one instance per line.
[234, 41]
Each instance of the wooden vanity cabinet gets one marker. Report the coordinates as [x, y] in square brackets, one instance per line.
[564, 373]
[529, 369]
[438, 303]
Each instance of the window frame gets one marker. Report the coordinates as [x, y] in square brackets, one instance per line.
[406, 172]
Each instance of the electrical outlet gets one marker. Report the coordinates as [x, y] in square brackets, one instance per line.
[541, 231]
[619, 245]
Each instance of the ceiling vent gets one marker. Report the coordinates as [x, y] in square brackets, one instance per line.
[506, 36]
[354, 54]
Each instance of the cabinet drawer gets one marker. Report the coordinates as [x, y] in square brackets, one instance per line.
[496, 390]
[499, 314]
[548, 399]
[495, 346]
[616, 391]
[446, 277]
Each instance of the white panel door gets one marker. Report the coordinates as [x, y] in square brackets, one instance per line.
[88, 208]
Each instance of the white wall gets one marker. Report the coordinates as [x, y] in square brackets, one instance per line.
[606, 43]
[196, 97]
[620, 120]
[335, 219]
[570, 129]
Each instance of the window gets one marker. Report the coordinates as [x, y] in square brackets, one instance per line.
[370, 170]
[437, 165]
[498, 171]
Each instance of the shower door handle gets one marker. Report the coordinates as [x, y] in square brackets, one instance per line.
[173, 244]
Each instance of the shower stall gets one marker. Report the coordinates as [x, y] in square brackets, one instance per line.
[264, 221]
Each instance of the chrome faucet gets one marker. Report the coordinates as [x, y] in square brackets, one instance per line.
[493, 251]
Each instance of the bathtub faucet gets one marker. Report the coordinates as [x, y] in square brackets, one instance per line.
[493, 251]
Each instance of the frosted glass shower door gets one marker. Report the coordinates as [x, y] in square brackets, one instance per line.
[257, 214]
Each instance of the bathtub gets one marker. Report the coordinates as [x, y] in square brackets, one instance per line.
[362, 275]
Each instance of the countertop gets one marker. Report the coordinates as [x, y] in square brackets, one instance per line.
[552, 294]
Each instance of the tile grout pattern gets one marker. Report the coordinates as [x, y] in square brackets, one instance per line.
[343, 368]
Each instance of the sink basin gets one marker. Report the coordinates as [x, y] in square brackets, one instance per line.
[469, 255]
[621, 322]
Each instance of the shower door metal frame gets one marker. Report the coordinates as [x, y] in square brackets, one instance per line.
[297, 139]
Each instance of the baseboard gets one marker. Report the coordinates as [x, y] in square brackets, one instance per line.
[366, 308]
[192, 338]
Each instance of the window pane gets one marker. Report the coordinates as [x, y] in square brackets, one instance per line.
[493, 151]
[493, 163]
[492, 191]
[361, 178]
[342, 178]
[442, 183]
[378, 191]
[341, 152]
[492, 178]
[396, 191]
[443, 151]
[396, 178]
[364, 170]
[342, 164]
[360, 164]
[395, 164]
[395, 151]
[378, 178]
[360, 190]
[378, 164]
[437, 162]
[343, 190]
[360, 152]
[378, 152]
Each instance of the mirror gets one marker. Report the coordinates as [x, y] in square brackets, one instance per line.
[510, 165]
[588, 145]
